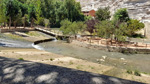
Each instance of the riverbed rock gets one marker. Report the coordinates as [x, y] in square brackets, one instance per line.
[102, 60]
[122, 59]
[104, 57]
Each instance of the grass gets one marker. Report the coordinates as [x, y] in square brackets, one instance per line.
[146, 73]
[15, 37]
[60, 62]
[70, 62]
[79, 67]
[21, 59]
[135, 72]
[33, 33]
[114, 72]
[129, 71]
[91, 67]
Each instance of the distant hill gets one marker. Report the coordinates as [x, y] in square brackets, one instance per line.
[138, 9]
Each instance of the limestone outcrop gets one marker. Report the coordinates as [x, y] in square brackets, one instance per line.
[138, 9]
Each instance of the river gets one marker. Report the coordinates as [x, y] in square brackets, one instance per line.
[138, 62]
[5, 41]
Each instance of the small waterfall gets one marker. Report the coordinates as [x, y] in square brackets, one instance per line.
[55, 40]
[37, 47]
[42, 48]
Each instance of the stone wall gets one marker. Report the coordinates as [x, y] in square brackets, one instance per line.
[42, 41]
[113, 48]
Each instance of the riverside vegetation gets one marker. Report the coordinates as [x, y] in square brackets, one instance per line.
[68, 16]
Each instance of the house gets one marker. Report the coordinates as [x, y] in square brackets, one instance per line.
[89, 10]
[89, 13]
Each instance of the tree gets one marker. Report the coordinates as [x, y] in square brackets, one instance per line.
[31, 14]
[73, 10]
[3, 17]
[133, 26]
[46, 22]
[64, 26]
[76, 27]
[72, 28]
[91, 25]
[121, 15]
[12, 9]
[86, 18]
[103, 14]
[121, 32]
[17, 18]
[39, 18]
[24, 20]
[105, 29]
[82, 26]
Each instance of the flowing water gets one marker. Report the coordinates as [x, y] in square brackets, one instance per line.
[15, 43]
[139, 62]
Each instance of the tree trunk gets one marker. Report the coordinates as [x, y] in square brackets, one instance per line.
[9, 22]
[32, 23]
[4, 24]
[15, 24]
[24, 24]
[111, 41]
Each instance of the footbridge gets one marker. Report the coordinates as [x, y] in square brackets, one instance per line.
[51, 33]
[47, 31]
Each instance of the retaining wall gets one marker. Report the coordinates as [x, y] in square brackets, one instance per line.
[42, 41]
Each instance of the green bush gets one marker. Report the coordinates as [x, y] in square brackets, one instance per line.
[21, 59]
[129, 71]
[137, 73]
[70, 62]
[51, 59]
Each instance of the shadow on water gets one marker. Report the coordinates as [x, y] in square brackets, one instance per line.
[14, 71]
[2, 44]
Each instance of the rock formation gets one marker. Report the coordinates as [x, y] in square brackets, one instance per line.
[138, 9]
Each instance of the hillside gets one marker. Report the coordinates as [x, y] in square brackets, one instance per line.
[138, 9]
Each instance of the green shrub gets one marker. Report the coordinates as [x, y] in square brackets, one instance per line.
[129, 72]
[51, 59]
[137, 73]
[70, 62]
[21, 59]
